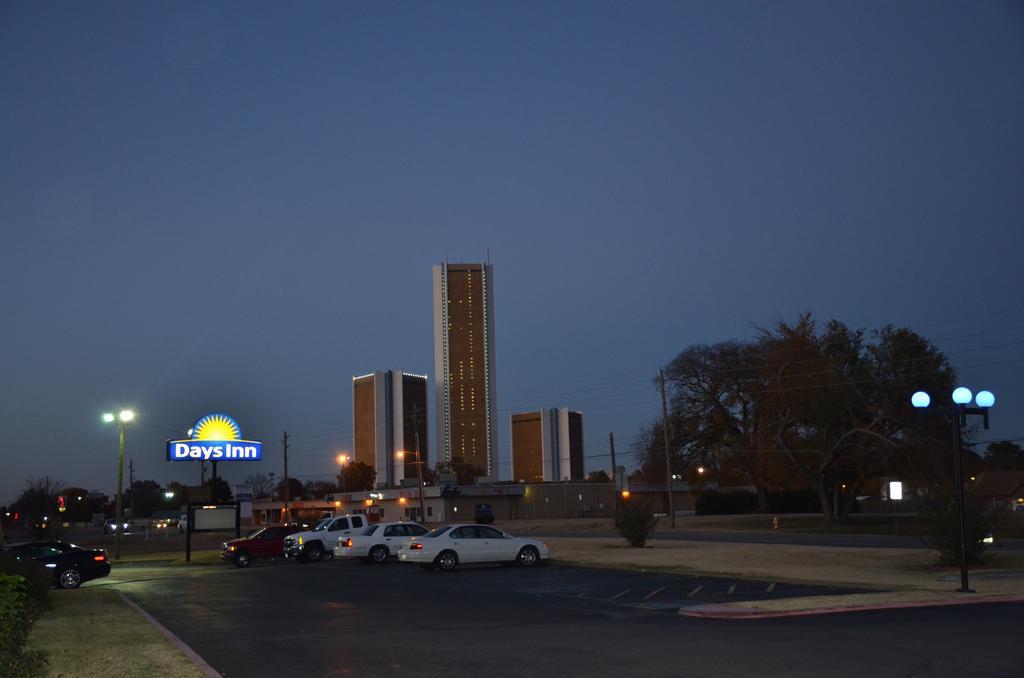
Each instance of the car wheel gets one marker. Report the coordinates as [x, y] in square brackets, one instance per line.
[447, 561]
[528, 556]
[378, 554]
[69, 579]
[242, 559]
[313, 553]
[328, 555]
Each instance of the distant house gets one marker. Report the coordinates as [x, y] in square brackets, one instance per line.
[1000, 490]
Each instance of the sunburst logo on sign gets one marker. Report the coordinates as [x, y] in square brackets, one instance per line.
[216, 427]
[214, 437]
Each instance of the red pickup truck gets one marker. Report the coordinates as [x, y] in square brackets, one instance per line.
[264, 543]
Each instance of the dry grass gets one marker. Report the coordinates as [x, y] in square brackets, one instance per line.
[91, 632]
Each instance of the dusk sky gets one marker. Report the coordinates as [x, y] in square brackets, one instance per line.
[236, 206]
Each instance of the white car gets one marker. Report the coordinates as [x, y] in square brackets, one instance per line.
[446, 547]
[378, 542]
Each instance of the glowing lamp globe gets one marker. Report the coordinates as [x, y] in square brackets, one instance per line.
[985, 399]
[108, 417]
[962, 396]
[920, 399]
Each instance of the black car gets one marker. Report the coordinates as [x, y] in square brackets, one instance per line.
[71, 565]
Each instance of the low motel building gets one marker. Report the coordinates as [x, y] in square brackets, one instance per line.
[451, 504]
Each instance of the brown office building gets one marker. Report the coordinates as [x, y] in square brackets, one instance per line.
[464, 364]
[547, 445]
[383, 404]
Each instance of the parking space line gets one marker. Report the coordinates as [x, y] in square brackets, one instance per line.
[771, 587]
[695, 591]
[620, 594]
[654, 592]
[732, 589]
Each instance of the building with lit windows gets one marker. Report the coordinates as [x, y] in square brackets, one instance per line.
[383, 406]
[547, 445]
[464, 365]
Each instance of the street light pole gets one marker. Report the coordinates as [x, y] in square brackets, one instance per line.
[123, 418]
[958, 476]
[961, 399]
[119, 510]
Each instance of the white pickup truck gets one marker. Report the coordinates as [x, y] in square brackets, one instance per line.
[318, 543]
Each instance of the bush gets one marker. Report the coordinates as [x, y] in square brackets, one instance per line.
[713, 503]
[635, 520]
[17, 614]
[943, 522]
[794, 501]
[38, 580]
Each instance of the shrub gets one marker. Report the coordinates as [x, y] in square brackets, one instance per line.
[635, 521]
[17, 614]
[38, 580]
[943, 522]
[794, 501]
[723, 503]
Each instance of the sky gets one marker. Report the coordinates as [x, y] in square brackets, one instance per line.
[217, 206]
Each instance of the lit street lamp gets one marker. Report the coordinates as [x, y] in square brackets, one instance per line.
[342, 462]
[123, 418]
[961, 401]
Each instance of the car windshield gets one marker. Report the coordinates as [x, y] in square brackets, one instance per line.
[256, 533]
[438, 532]
[322, 525]
[370, 530]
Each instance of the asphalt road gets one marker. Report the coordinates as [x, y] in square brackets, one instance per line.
[350, 619]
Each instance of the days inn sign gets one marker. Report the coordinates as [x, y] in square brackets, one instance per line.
[215, 437]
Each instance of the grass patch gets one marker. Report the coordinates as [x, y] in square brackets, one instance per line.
[91, 632]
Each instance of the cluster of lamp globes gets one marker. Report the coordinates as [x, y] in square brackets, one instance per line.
[125, 416]
[961, 396]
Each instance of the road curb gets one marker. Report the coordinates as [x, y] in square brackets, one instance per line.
[737, 613]
[175, 640]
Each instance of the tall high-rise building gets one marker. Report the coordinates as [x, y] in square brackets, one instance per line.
[464, 364]
[547, 445]
[383, 407]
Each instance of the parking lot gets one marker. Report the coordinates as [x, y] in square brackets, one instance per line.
[347, 618]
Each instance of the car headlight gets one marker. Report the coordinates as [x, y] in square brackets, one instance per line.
[300, 541]
[231, 548]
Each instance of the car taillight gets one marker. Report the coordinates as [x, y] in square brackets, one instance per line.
[415, 546]
[347, 543]
[100, 558]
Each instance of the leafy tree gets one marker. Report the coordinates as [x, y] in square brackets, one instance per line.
[144, 497]
[465, 473]
[357, 477]
[261, 485]
[319, 489]
[38, 501]
[821, 406]
[1003, 456]
[295, 489]
[598, 476]
[220, 490]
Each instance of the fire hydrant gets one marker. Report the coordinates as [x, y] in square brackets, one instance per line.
[775, 522]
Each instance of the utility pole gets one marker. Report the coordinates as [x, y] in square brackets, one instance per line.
[131, 484]
[284, 442]
[419, 462]
[668, 458]
[615, 469]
